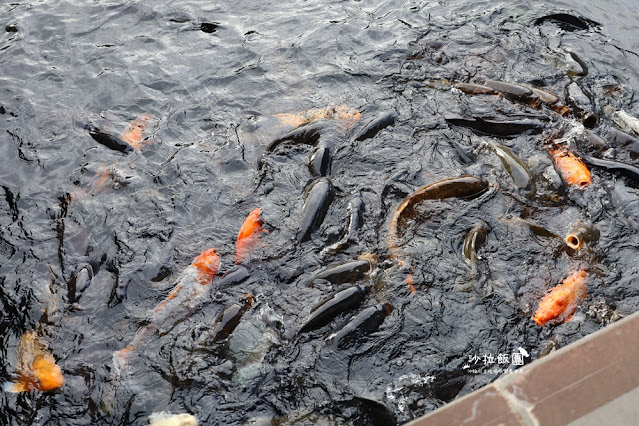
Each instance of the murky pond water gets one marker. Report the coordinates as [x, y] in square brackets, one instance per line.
[136, 135]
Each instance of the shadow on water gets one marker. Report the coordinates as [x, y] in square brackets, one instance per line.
[135, 136]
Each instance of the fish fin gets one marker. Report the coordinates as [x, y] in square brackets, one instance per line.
[14, 387]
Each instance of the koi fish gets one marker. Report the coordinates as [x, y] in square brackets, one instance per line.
[167, 419]
[344, 115]
[249, 235]
[571, 168]
[191, 285]
[134, 134]
[561, 301]
[37, 370]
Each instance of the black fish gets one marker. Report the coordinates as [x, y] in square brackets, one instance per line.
[227, 321]
[234, 276]
[499, 129]
[79, 282]
[343, 273]
[305, 135]
[319, 161]
[581, 105]
[110, 141]
[568, 22]
[319, 196]
[627, 170]
[366, 322]
[382, 121]
[512, 91]
[343, 301]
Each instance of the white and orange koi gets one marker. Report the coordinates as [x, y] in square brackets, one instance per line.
[346, 116]
[135, 133]
[37, 369]
[191, 285]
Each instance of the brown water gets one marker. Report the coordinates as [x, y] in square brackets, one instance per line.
[213, 77]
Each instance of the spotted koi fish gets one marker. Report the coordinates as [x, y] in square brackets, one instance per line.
[344, 115]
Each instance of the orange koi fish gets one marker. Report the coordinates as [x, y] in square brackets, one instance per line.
[37, 370]
[561, 301]
[134, 134]
[249, 235]
[191, 285]
[344, 115]
[572, 169]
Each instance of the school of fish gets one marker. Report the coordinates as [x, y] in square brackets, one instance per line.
[37, 369]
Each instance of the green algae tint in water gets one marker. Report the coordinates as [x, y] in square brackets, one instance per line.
[218, 85]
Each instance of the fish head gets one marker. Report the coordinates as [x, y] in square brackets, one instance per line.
[207, 264]
[47, 373]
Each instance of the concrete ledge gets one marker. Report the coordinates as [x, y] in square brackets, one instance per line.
[593, 381]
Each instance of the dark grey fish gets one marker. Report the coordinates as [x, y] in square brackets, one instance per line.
[499, 129]
[383, 120]
[344, 272]
[339, 303]
[319, 196]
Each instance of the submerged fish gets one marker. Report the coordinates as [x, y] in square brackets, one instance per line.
[346, 116]
[561, 301]
[249, 235]
[226, 321]
[475, 89]
[513, 91]
[624, 120]
[135, 133]
[37, 368]
[360, 326]
[474, 240]
[571, 168]
[132, 138]
[581, 104]
[530, 95]
[499, 129]
[191, 285]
